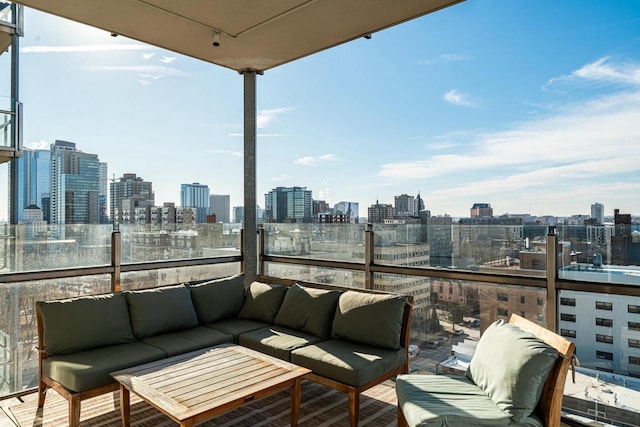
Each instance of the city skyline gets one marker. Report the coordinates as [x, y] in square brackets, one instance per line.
[534, 115]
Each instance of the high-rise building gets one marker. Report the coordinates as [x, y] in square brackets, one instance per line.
[127, 194]
[288, 204]
[418, 205]
[34, 181]
[196, 195]
[221, 207]
[379, 212]
[479, 210]
[404, 205]
[75, 185]
[597, 213]
[104, 180]
[238, 214]
[344, 207]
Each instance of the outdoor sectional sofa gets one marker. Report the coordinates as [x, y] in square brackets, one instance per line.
[350, 339]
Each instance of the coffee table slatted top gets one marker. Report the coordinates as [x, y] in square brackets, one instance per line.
[208, 381]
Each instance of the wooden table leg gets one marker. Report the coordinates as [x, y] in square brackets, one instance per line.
[125, 406]
[295, 402]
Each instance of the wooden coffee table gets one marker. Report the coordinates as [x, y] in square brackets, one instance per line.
[196, 386]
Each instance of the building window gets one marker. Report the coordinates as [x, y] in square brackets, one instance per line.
[568, 301]
[568, 333]
[522, 313]
[634, 343]
[604, 355]
[634, 360]
[604, 322]
[568, 317]
[633, 308]
[634, 326]
[540, 317]
[540, 301]
[604, 305]
[522, 299]
[503, 312]
[503, 297]
[604, 338]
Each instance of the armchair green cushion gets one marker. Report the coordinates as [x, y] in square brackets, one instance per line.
[511, 367]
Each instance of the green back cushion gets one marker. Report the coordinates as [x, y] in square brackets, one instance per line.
[308, 309]
[84, 323]
[218, 299]
[369, 319]
[262, 302]
[511, 367]
[160, 310]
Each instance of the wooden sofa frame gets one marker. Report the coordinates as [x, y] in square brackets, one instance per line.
[549, 407]
[353, 393]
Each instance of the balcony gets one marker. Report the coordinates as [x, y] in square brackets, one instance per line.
[453, 303]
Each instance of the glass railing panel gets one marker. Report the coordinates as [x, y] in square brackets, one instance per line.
[172, 276]
[450, 315]
[18, 329]
[6, 13]
[314, 274]
[606, 331]
[513, 249]
[178, 241]
[41, 246]
[334, 242]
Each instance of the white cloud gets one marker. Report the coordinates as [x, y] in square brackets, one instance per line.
[454, 96]
[84, 48]
[601, 71]
[279, 178]
[155, 70]
[144, 82]
[312, 161]
[265, 117]
[147, 56]
[38, 145]
[445, 58]
[168, 59]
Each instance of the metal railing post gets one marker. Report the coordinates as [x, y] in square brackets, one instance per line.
[261, 245]
[368, 257]
[116, 260]
[552, 276]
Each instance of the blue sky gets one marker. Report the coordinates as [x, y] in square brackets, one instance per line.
[532, 106]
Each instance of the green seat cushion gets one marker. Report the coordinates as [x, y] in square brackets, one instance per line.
[84, 323]
[160, 310]
[89, 369]
[236, 326]
[262, 302]
[308, 309]
[441, 400]
[511, 367]
[218, 299]
[187, 340]
[347, 362]
[276, 341]
[360, 314]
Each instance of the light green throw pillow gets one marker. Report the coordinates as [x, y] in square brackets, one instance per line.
[370, 319]
[511, 367]
[308, 309]
[262, 301]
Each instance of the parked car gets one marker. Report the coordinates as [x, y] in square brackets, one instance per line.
[433, 344]
[458, 332]
[414, 350]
